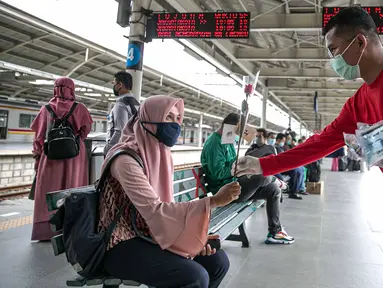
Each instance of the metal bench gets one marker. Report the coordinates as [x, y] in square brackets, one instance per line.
[188, 186]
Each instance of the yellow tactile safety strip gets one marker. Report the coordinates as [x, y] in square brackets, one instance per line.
[14, 223]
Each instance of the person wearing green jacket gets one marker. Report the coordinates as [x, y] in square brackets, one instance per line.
[217, 160]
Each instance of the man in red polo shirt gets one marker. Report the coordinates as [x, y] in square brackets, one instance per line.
[356, 51]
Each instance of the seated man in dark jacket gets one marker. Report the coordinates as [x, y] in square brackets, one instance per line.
[261, 149]
[217, 160]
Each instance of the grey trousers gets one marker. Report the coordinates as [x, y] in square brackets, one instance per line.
[260, 187]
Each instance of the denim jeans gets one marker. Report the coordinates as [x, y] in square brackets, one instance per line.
[260, 187]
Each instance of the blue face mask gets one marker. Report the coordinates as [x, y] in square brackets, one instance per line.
[271, 141]
[344, 70]
[237, 138]
[167, 132]
[282, 144]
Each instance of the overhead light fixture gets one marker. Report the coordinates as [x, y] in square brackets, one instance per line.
[93, 94]
[42, 82]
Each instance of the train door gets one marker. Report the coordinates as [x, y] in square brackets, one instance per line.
[3, 124]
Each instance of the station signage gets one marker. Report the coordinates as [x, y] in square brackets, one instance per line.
[375, 12]
[199, 25]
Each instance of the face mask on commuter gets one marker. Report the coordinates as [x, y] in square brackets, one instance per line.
[237, 138]
[281, 144]
[115, 91]
[288, 142]
[343, 69]
[167, 132]
[271, 141]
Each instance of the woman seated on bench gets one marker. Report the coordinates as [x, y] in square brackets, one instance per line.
[181, 257]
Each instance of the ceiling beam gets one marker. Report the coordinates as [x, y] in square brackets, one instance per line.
[273, 22]
[293, 54]
[320, 102]
[283, 84]
[305, 89]
[79, 64]
[308, 73]
[321, 93]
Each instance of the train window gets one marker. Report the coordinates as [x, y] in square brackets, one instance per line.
[26, 120]
[103, 126]
[3, 124]
[94, 127]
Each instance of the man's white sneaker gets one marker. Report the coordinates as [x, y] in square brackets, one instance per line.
[279, 238]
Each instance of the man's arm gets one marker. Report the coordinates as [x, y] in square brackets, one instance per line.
[122, 114]
[316, 147]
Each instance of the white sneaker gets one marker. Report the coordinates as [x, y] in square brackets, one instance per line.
[279, 238]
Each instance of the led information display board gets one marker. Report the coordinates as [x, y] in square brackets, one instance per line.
[199, 25]
[375, 12]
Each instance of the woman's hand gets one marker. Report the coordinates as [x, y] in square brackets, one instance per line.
[207, 250]
[226, 195]
[37, 162]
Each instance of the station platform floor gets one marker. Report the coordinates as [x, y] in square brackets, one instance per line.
[339, 242]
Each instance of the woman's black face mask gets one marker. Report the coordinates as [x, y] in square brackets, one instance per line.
[167, 132]
[116, 91]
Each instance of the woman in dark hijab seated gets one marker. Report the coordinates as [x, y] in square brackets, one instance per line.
[180, 256]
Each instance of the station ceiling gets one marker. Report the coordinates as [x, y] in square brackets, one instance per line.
[287, 47]
[34, 52]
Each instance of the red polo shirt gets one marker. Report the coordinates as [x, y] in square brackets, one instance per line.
[365, 106]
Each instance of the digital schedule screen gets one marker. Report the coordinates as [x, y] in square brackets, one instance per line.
[375, 12]
[199, 25]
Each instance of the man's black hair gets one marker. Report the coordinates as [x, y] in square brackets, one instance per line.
[231, 119]
[124, 78]
[263, 131]
[280, 136]
[270, 134]
[352, 20]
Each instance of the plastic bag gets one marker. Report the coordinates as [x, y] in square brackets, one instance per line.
[370, 139]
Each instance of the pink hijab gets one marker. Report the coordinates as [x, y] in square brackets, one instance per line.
[63, 96]
[156, 156]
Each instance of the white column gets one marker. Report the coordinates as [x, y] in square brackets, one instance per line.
[265, 94]
[300, 130]
[200, 130]
[135, 49]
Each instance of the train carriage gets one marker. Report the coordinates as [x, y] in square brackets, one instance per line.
[16, 117]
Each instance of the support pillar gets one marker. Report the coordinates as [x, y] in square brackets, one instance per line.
[265, 94]
[135, 54]
[300, 130]
[200, 130]
[290, 117]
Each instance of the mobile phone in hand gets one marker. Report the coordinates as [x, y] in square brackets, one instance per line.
[214, 244]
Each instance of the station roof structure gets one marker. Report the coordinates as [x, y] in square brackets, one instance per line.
[34, 52]
[287, 46]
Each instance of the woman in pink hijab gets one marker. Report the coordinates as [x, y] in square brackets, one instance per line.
[53, 175]
[179, 256]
